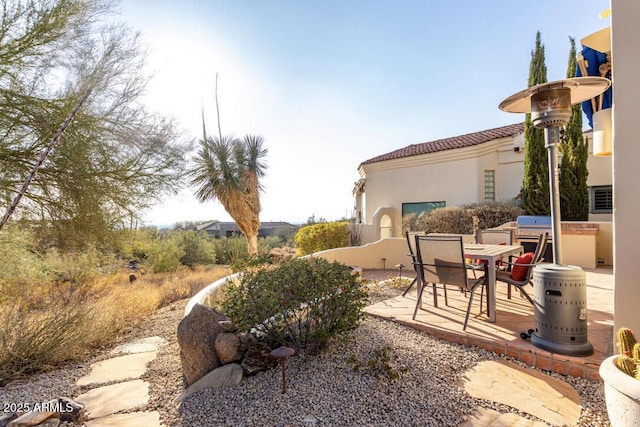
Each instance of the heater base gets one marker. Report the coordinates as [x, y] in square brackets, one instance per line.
[580, 349]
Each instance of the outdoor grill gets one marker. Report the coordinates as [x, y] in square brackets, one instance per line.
[528, 228]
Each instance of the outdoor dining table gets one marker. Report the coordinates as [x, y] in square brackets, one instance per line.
[492, 254]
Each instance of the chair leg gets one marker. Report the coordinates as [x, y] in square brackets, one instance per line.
[466, 317]
[415, 279]
[526, 295]
[435, 295]
[446, 301]
[508, 291]
[418, 300]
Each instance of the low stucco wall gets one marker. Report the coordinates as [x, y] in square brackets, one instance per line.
[392, 249]
[210, 295]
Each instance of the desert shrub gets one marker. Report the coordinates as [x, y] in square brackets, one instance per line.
[452, 219]
[494, 214]
[322, 236]
[198, 248]
[230, 248]
[300, 302]
[34, 340]
[164, 255]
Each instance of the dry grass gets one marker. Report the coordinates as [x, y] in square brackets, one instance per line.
[45, 325]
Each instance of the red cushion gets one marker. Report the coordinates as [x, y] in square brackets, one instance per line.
[519, 272]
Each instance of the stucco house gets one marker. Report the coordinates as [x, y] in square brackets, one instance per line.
[482, 166]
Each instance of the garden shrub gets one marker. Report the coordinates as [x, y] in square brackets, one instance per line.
[494, 214]
[452, 219]
[198, 248]
[459, 219]
[299, 302]
[322, 236]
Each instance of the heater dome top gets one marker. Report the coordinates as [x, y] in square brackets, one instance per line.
[582, 88]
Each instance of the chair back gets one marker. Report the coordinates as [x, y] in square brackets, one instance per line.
[494, 237]
[441, 259]
[541, 247]
[411, 244]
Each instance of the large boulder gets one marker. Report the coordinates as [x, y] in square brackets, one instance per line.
[197, 334]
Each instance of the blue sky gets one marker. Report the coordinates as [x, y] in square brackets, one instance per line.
[330, 84]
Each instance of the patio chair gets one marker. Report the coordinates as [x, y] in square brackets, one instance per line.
[520, 272]
[492, 237]
[414, 260]
[440, 261]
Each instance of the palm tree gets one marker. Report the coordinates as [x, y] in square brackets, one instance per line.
[228, 169]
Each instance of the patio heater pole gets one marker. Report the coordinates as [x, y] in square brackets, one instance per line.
[560, 307]
[551, 138]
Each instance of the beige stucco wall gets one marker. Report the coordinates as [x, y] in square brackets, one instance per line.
[625, 37]
[455, 177]
[431, 177]
[394, 250]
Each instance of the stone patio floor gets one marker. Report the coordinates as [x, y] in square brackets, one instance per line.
[512, 317]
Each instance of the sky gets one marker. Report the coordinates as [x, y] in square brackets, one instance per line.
[330, 84]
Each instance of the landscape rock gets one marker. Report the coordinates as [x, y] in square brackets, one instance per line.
[257, 359]
[71, 411]
[227, 348]
[34, 418]
[227, 326]
[222, 377]
[197, 334]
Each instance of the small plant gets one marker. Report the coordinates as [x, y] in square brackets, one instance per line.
[380, 365]
[629, 359]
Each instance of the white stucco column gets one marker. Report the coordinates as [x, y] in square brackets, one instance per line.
[625, 34]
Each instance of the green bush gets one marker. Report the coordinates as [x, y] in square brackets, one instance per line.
[459, 219]
[494, 214]
[452, 219]
[322, 236]
[300, 302]
[198, 248]
[164, 255]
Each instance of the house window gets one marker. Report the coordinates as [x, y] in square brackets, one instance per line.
[489, 186]
[601, 199]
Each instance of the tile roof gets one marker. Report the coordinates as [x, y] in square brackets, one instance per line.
[450, 143]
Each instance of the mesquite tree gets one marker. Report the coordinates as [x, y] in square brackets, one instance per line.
[116, 158]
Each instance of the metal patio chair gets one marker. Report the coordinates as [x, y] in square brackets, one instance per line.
[440, 261]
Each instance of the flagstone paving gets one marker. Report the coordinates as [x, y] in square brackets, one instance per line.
[118, 368]
[483, 417]
[528, 390]
[104, 404]
[135, 419]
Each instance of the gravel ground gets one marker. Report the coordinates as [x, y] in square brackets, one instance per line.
[321, 391]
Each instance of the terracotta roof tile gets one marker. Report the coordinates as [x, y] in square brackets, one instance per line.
[450, 143]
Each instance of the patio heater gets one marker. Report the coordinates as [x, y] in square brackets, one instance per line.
[560, 294]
